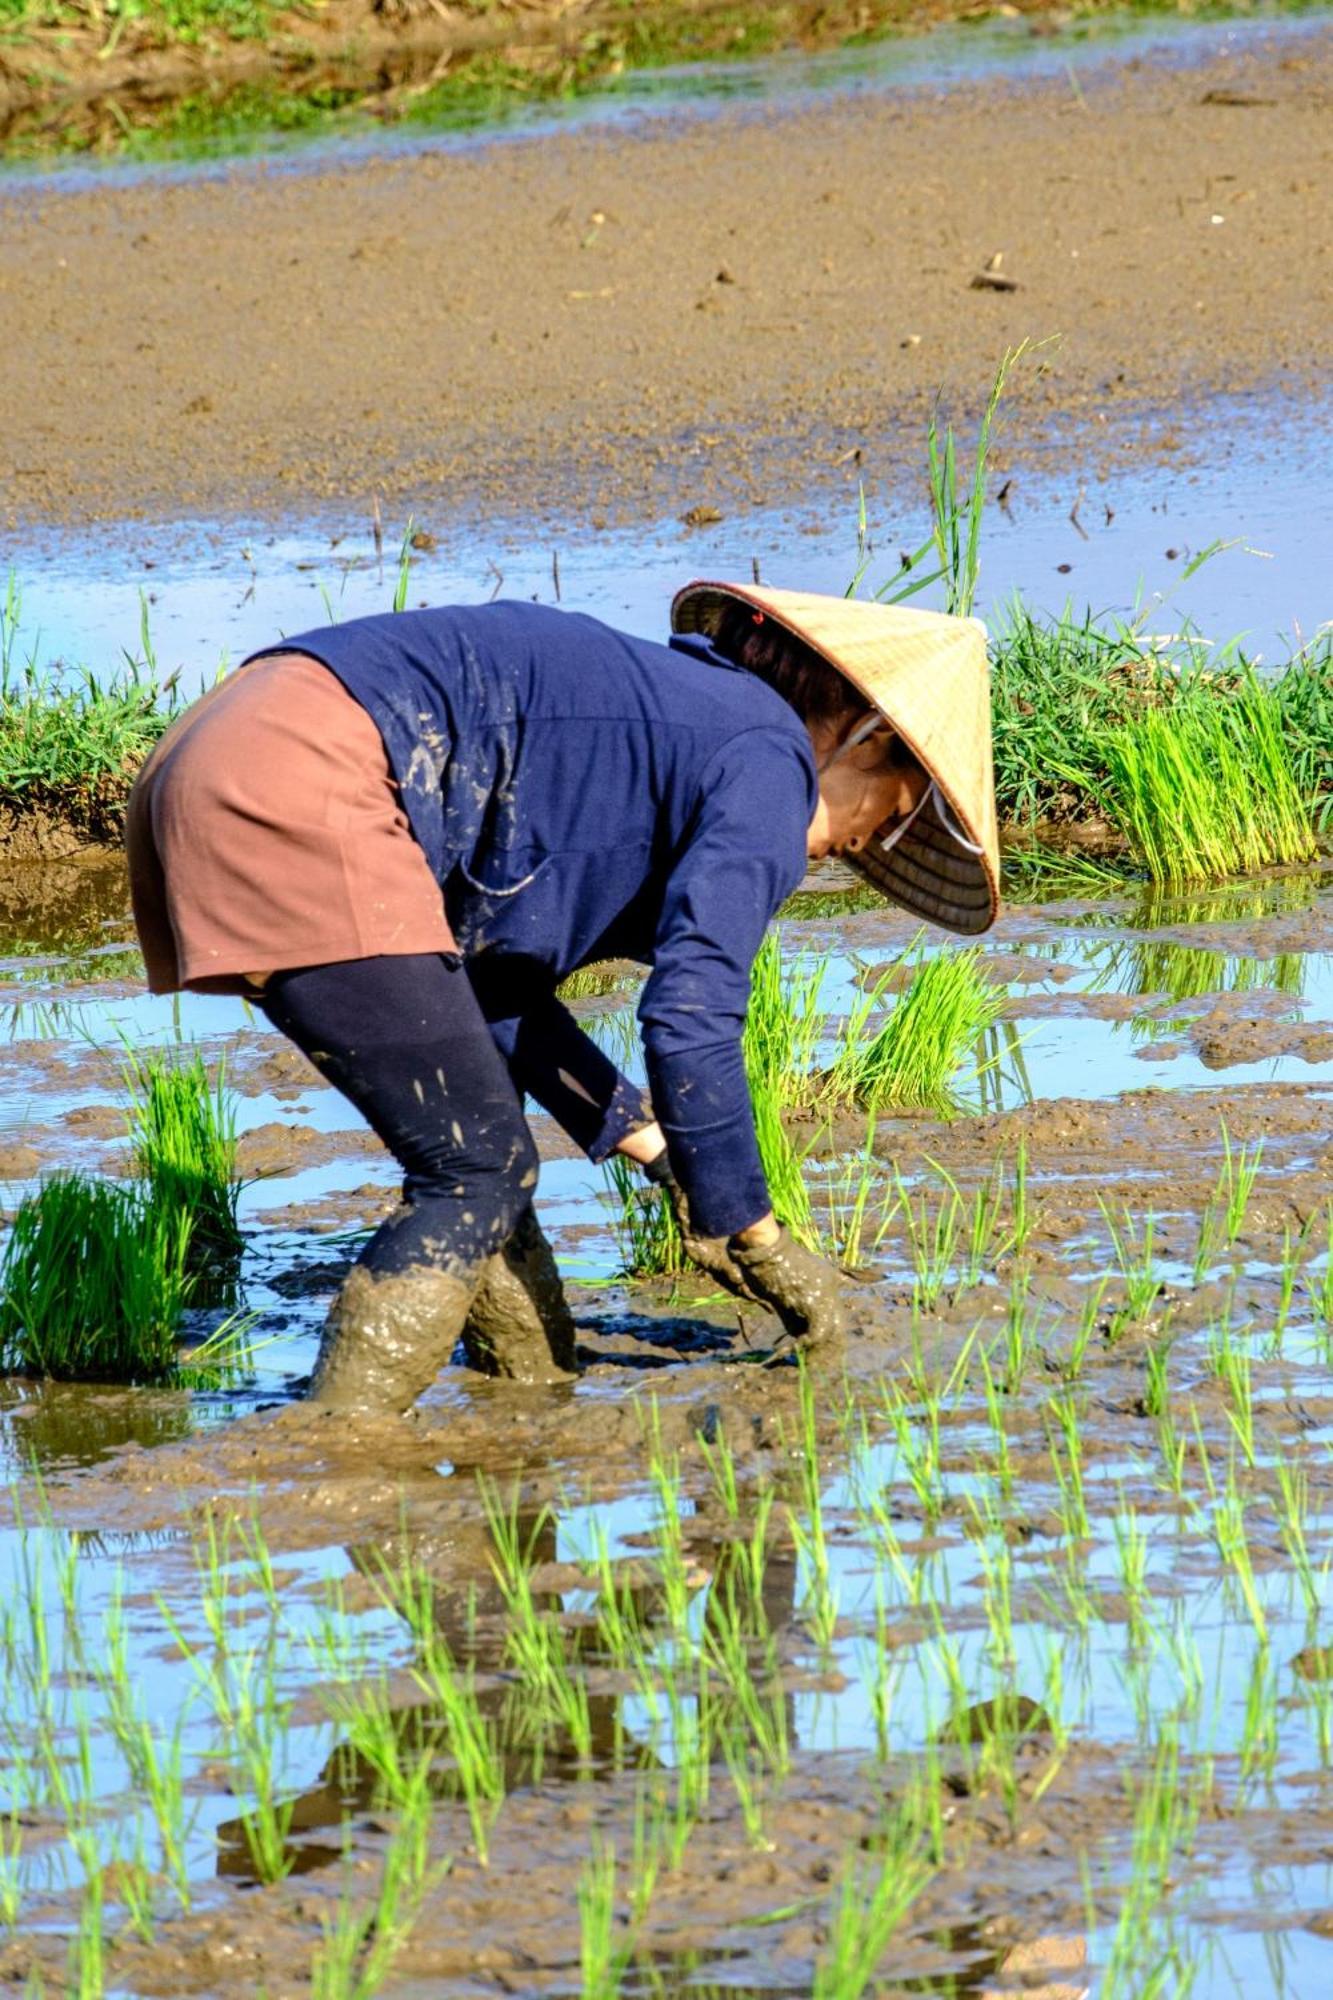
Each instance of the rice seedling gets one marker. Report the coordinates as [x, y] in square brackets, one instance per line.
[604, 1958]
[1089, 1319]
[956, 518]
[819, 1596]
[1136, 1263]
[871, 1902]
[362, 1941]
[1259, 1730]
[1233, 1546]
[783, 1167]
[1016, 1351]
[913, 1059]
[85, 1978]
[665, 1476]
[1230, 1199]
[984, 1246]
[849, 1235]
[1157, 1391]
[996, 1409]
[183, 1136]
[1131, 1542]
[1293, 1512]
[919, 1455]
[92, 1284]
[1205, 789]
[11, 1869]
[471, 1735]
[932, 1239]
[1068, 1469]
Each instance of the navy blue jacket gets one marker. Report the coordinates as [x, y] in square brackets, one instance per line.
[581, 795]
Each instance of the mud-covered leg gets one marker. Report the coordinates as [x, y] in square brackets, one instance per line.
[387, 1337]
[519, 1324]
[404, 1040]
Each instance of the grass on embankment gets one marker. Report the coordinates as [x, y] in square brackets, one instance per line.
[71, 742]
[182, 76]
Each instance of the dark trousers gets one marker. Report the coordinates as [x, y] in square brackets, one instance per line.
[404, 1040]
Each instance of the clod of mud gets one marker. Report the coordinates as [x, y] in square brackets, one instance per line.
[276, 1148]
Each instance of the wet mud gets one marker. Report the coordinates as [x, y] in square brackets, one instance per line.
[240, 325]
[1037, 1631]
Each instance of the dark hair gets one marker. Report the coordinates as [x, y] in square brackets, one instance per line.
[792, 669]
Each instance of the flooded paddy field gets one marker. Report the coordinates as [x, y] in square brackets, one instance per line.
[990, 1653]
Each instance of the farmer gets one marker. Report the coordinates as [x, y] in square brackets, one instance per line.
[396, 836]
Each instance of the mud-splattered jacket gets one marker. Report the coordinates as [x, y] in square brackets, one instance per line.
[583, 795]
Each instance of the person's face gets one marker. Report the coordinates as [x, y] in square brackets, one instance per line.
[858, 791]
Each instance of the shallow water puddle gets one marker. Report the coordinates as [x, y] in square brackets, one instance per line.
[210, 592]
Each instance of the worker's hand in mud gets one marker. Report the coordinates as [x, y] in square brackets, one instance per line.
[708, 1253]
[805, 1291]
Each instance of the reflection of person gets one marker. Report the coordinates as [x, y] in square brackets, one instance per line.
[399, 834]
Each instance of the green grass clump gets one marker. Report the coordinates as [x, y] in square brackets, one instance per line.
[1206, 789]
[92, 1284]
[71, 742]
[947, 1008]
[1064, 688]
[183, 1133]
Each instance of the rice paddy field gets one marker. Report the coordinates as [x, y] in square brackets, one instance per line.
[988, 1654]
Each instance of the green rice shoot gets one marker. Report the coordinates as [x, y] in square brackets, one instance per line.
[183, 1133]
[912, 1062]
[1206, 789]
[93, 1283]
[644, 1223]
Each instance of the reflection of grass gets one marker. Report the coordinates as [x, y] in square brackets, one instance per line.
[1178, 972]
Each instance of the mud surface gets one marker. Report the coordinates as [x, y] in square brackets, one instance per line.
[1029, 1462]
[707, 316]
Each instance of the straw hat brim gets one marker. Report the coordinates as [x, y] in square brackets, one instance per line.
[928, 675]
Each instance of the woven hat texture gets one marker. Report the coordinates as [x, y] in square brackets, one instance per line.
[928, 675]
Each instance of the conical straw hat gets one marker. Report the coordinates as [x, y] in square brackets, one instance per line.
[927, 674]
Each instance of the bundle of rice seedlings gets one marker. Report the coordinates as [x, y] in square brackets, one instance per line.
[783, 1166]
[946, 1009]
[1206, 789]
[784, 1021]
[783, 1025]
[643, 1224]
[92, 1284]
[183, 1131]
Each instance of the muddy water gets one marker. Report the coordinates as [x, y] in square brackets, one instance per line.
[1124, 1010]
[1120, 537]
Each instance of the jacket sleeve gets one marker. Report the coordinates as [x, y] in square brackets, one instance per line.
[743, 853]
[553, 1060]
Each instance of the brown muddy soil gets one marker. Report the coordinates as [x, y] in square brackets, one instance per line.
[1007, 1907]
[708, 314]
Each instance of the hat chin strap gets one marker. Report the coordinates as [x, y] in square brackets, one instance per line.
[942, 813]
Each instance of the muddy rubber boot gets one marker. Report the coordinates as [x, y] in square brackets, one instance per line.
[386, 1339]
[519, 1325]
